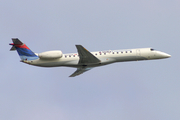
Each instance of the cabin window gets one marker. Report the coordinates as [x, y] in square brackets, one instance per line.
[117, 52]
[112, 52]
[104, 53]
[130, 51]
[96, 54]
[65, 56]
[121, 52]
[126, 51]
[69, 55]
[73, 55]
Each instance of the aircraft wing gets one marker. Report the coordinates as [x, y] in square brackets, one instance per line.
[79, 71]
[86, 58]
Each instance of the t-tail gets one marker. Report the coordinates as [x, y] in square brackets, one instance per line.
[24, 52]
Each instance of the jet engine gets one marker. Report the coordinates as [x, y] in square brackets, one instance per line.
[50, 54]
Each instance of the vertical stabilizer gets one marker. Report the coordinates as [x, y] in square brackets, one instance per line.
[24, 52]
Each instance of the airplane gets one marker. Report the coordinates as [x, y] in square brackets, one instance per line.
[83, 60]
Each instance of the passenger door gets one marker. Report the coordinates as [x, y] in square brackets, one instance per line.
[138, 53]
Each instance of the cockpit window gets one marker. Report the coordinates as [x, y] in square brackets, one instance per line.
[152, 49]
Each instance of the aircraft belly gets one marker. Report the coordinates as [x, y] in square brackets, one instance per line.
[126, 58]
[70, 63]
[54, 63]
[131, 58]
[107, 60]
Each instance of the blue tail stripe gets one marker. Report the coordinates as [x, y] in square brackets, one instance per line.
[25, 52]
[28, 58]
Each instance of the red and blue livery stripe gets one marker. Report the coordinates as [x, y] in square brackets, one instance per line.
[24, 52]
[22, 46]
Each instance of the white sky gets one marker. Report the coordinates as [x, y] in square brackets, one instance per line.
[146, 90]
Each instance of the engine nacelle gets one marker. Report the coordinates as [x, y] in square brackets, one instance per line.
[50, 54]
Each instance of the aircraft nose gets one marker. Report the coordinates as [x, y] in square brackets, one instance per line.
[163, 55]
[167, 55]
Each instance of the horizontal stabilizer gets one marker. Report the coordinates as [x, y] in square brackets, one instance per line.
[13, 48]
[16, 41]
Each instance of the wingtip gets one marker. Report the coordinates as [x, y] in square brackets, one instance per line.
[71, 76]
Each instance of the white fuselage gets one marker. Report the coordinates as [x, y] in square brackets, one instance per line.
[106, 57]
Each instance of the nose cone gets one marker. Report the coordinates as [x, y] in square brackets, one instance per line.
[166, 55]
[163, 55]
